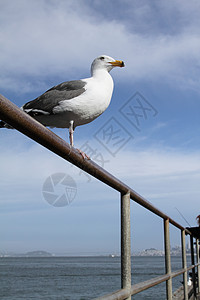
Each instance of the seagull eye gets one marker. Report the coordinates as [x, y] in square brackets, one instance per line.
[101, 58]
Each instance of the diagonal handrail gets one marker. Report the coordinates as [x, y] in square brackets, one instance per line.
[24, 123]
[19, 120]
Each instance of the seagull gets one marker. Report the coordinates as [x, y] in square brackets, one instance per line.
[77, 102]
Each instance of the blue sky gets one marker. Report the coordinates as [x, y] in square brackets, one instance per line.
[44, 43]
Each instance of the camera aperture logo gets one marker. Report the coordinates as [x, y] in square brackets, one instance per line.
[59, 189]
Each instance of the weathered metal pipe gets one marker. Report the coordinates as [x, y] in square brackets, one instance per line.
[184, 265]
[15, 117]
[198, 268]
[167, 259]
[125, 243]
[193, 263]
[118, 295]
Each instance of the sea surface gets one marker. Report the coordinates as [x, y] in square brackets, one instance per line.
[77, 278]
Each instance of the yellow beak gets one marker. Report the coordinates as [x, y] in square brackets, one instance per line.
[117, 63]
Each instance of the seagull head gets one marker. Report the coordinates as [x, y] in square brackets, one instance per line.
[105, 62]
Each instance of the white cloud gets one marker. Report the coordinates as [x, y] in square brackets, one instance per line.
[155, 173]
[44, 38]
[157, 162]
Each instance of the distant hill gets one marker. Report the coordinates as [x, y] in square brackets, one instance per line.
[37, 254]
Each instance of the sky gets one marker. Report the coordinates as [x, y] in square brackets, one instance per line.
[148, 137]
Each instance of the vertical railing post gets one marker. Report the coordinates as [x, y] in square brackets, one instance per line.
[125, 242]
[167, 259]
[184, 265]
[193, 262]
[198, 268]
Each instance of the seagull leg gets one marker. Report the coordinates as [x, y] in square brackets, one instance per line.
[71, 131]
[83, 154]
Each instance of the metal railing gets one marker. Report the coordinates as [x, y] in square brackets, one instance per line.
[15, 117]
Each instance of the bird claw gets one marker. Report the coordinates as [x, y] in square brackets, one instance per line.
[83, 154]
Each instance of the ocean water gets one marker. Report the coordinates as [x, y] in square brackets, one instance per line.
[77, 278]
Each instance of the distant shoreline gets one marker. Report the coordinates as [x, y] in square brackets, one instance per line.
[152, 252]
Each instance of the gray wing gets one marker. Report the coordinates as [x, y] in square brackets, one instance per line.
[45, 103]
